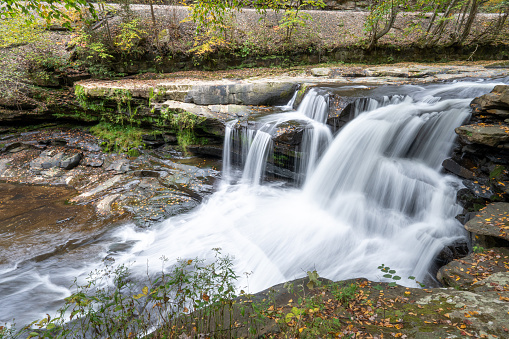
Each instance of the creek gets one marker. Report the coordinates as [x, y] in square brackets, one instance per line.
[372, 193]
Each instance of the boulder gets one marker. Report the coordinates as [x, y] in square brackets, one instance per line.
[455, 168]
[321, 72]
[497, 99]
[492, 220]
[70, 161]
[488, 135]
[471, 272]
[47, 160]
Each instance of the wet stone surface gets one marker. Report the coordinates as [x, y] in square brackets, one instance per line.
[146, 189]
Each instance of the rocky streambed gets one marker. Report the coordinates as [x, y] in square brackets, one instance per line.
[72, 191]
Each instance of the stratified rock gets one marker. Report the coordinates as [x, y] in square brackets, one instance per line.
[497, 99]
[480, 188]
[492, 220]
[260, 93]
[488, 135]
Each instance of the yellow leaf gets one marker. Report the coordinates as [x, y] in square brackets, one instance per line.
[301, 329]
[145, 290]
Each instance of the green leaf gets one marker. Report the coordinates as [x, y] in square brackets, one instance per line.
[396, 277]
[388, 276]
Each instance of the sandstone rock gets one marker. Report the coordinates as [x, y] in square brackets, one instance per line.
[487, 135]
[261, 93]
[498, 98]
[321, 72]
[492, 220]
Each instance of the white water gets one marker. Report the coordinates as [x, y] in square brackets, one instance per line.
[375, 196]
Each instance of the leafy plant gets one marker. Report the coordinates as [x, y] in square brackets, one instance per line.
[389, 274]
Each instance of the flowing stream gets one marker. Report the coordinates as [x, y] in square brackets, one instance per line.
[372, 194]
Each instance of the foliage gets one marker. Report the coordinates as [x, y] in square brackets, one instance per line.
[381, 18]
[18, 31]
[127, 139]
[129, 37]
[189, 294]
[48, 10]
[293, 16]
[214, 21]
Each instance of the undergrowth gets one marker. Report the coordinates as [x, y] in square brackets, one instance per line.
[118, 138]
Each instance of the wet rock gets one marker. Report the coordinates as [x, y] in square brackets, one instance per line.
[492, 220]
[470, 273]
[103, 186]
[70, 161]
[455, 168]
[449, 253]
[289, 133]
[120, 166]
[103, 206]
[342, 110]
[480, 188]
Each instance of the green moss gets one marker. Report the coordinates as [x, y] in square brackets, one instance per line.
[497, 172]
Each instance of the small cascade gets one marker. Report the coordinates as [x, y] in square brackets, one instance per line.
[315, 105]
[251, 149]
[257, 158]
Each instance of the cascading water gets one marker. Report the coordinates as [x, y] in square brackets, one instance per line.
[250, 148]
[375, 196]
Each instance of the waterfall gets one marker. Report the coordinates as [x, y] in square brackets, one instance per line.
[249, 148]
[374, 194]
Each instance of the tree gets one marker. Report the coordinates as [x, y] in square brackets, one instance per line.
[380, 20]
[47, 10]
